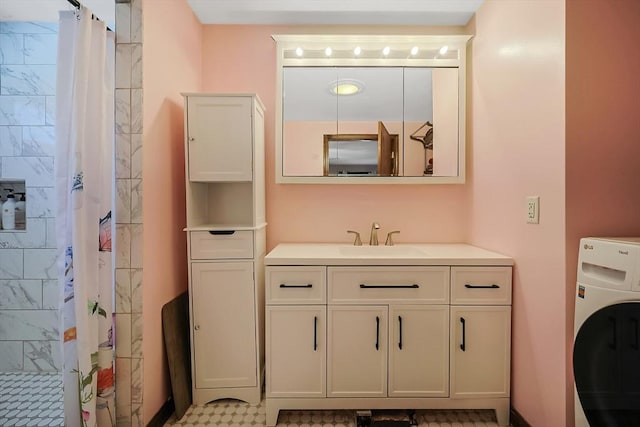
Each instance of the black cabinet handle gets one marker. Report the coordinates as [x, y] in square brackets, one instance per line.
[463, 346]
[221, 232]
[365, 286]
[614, 343]
[470, 286]
[377, 333]
[307, 285]
[315, 333]
[400, 340]
[634, 322]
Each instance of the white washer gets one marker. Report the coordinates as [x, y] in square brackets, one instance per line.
[606, 351]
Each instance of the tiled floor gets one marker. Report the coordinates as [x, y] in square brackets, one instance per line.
[233, 413]
[31, 399]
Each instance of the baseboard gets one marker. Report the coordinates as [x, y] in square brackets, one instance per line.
[163, 414]
[518, 420]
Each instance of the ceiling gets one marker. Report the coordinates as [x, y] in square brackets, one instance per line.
[335, 12]
[47, 10]
[272, 12]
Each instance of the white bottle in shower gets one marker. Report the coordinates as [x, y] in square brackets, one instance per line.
[9, 213]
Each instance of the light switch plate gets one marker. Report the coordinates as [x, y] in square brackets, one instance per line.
[533, 209]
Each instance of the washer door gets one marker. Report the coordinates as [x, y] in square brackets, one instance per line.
[606, 366]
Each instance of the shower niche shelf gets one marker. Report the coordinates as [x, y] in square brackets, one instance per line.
[17, 210]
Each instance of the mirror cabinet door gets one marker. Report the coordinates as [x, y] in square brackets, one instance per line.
[309, 111]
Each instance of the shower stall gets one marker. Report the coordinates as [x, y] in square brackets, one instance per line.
[30, 356]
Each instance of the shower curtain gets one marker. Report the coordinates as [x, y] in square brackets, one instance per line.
[84, 176]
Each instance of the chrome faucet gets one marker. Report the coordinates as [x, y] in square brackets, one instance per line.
[373, 239]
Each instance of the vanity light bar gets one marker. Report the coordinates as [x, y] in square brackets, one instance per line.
[386, 52]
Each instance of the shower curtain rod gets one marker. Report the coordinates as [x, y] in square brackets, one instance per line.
[78, 5]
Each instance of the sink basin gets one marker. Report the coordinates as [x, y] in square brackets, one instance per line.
[398, 251]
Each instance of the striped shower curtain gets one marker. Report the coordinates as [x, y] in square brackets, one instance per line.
[84, 181]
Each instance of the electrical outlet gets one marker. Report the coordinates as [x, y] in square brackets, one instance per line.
[533, 209]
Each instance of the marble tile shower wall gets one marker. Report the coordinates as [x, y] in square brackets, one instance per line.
[128, 215]
[29, 332]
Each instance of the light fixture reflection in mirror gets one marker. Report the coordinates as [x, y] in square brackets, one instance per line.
[346, 87]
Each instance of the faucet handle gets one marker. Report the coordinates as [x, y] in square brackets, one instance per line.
[389, 241]
[357, 241]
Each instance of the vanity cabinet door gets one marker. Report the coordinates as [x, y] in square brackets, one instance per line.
[419, 351]
[480, 351]
[296, 351]
[357, 351]
[219, 138]
[224, 332]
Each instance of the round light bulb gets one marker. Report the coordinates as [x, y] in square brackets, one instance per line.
[328, 51]
[414, 50]
[346, 89]
[299, 51]
[443, 50]
[357, 51]
[386, 51]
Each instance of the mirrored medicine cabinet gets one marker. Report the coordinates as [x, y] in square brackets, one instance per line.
[370, 109]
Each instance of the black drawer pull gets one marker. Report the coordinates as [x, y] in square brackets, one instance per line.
[315, 333]
[308, 285]
[222, 232]
[463, 345]
[364, 286]
[469, 286]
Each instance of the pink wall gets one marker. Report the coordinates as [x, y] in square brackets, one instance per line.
[517, 142]
[603, 131]
[239, 58]
[172, 63]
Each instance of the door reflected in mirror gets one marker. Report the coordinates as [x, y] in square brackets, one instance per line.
[361, 154]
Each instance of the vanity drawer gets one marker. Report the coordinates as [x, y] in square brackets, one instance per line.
[221, 244]
[397, 285]
[481, 285]
[296, 285]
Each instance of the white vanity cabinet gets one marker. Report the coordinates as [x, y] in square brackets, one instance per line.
[481, 331]
[381, 317]
[296, 325]
[361, 328]
[357, 351]
[225, 204]
[418, 351]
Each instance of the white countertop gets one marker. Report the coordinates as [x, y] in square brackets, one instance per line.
[399, 254]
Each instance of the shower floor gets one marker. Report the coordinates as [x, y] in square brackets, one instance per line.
[31, 399]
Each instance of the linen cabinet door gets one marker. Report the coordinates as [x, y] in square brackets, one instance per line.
[480, 351]
[296, 351]
[357, 351]
[219, 138]
[419, 351]
[224, 335]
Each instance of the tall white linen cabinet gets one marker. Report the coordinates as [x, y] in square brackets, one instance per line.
[226, 243]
